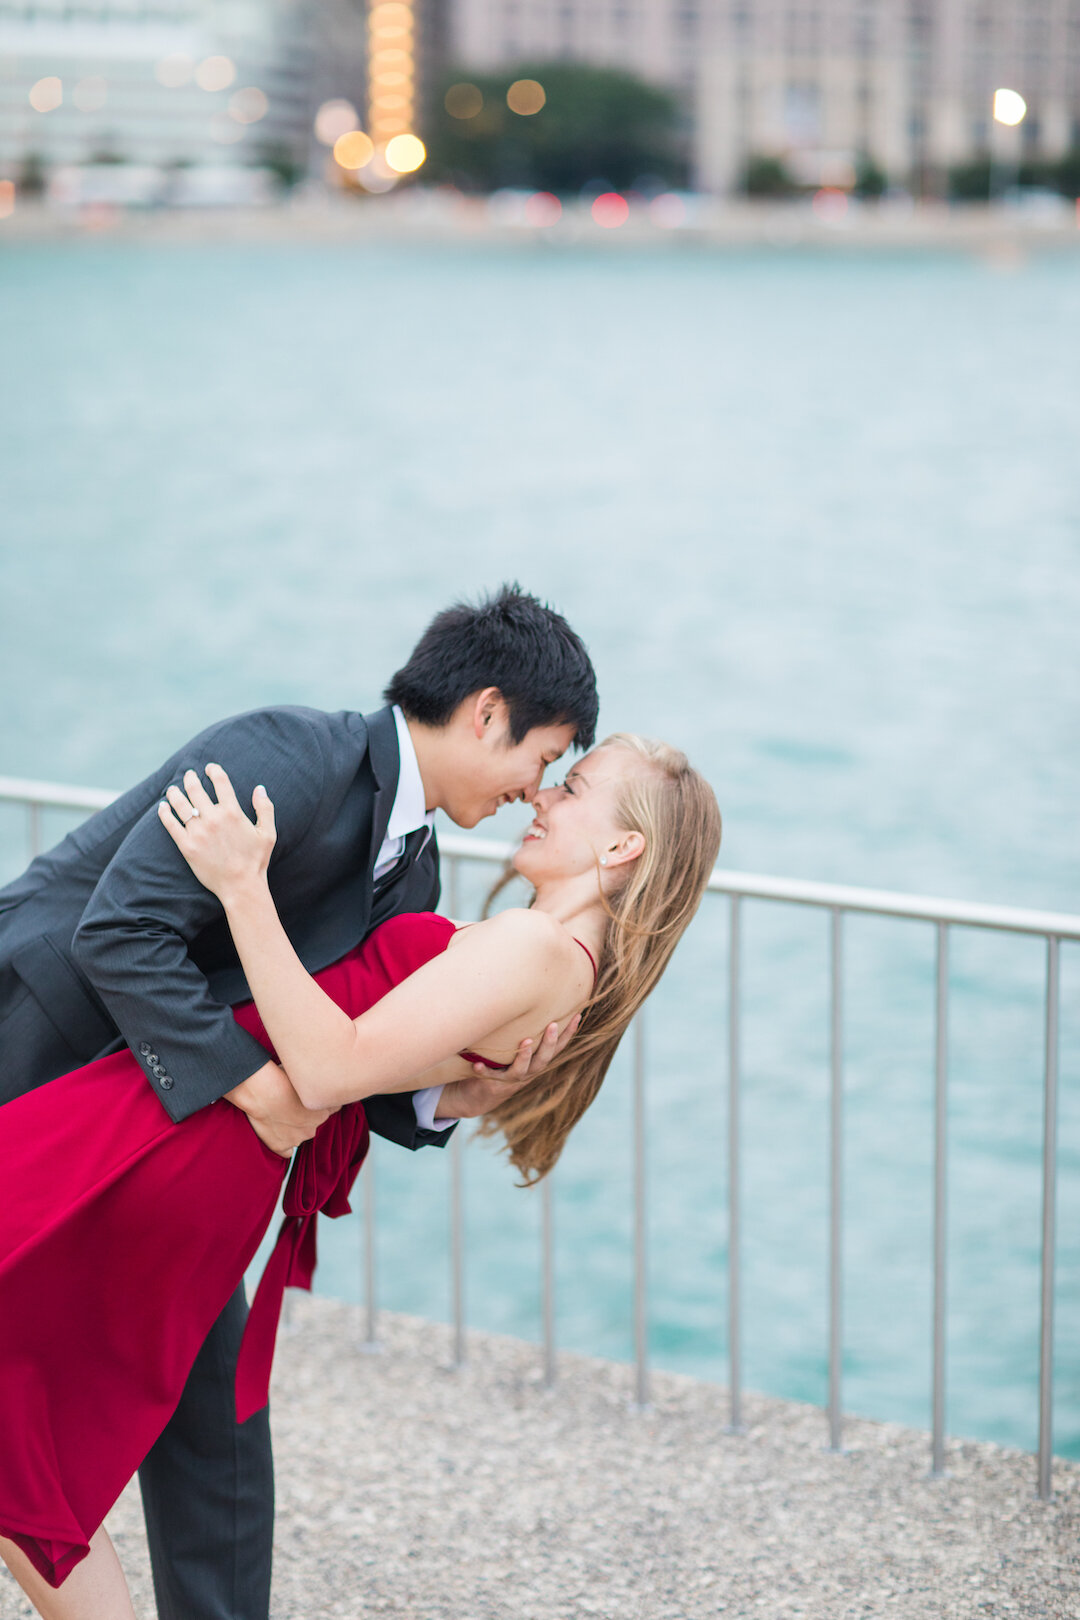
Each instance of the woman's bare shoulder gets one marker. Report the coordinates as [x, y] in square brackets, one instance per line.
[533, 934]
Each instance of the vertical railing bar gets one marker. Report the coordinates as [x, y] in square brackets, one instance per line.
[33, 816]
[941, 1075]
[371, 1305]
[836, 1181]
[547, 1267]
[1049, 1190]
[735, 1422]
[457, 1248]
[641, 1308]
[457, 1192]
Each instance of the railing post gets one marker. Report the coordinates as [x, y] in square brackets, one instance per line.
[836, 1181]
[941, 1073]
[457, 1190]
[641, 1306]
[371, 1341]
[1046, 1336]
[547, 1271]
[457, 1247]
[735, 1422]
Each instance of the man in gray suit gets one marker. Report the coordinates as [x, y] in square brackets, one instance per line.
[109, 940]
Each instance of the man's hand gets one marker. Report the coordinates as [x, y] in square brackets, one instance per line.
[468, 1099]
[275, 1113]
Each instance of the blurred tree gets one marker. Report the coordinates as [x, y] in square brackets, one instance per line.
[33, 175]
[970, 182]
[1067, 173]
[870, 179]
[1058, 174]
[286, 162]
[766, 176]
[596, 125]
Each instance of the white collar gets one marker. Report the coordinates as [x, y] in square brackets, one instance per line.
[409, 810]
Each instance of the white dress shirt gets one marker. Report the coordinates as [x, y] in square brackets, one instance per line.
[408, 813]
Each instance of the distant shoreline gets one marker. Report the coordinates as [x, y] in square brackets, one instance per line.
[434, 217]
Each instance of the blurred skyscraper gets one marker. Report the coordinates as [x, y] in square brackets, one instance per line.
[164, 82]
[655, 39]
[826, 85]
[904, 85]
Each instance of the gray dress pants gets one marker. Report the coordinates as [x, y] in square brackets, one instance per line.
[208, 1493]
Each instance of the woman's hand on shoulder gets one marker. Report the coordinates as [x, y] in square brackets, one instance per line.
[225, 849]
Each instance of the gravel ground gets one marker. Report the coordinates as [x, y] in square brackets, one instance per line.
[407, 1489]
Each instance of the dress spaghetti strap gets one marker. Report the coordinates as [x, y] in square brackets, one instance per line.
[592, 959]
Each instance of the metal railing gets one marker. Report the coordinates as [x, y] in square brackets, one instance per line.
[838, 901]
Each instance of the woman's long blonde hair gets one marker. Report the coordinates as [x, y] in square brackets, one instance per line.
[675, 810]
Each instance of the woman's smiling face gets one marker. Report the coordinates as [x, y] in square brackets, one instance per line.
[577, 823]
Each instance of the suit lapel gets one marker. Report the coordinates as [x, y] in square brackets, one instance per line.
[386, 767]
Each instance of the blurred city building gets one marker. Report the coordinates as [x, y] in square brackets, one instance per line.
[659, 40]
[808, 92]
[828, 87]
[171, 83]
[901, 86]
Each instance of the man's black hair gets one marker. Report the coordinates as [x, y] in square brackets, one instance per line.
[508, 640]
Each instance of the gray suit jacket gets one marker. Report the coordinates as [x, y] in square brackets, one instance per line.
[110, 939]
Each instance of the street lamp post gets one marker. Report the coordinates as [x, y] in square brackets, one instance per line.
[1010, 109]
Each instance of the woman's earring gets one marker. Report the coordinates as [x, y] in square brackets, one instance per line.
[603, 860]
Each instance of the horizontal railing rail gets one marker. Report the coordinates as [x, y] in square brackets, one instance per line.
[833, 896]
[838, 901]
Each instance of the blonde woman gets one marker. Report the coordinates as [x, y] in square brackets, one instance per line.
[618, 857]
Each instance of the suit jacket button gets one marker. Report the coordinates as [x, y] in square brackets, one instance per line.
[146, 1049]
[165, 1082]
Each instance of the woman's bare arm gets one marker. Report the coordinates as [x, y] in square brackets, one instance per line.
[505, 971]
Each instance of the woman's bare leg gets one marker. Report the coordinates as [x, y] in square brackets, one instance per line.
[95, 1589]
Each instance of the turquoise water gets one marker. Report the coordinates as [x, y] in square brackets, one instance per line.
[817, 519]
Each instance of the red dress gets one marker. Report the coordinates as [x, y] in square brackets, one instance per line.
[122, 1238]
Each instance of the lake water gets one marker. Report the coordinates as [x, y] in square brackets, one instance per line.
[817, 519]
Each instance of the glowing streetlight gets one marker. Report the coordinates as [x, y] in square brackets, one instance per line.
[334, 119]
[46, 95]
[391, 70]
[464, 100]
[391, 109]
[353, 150]
[215, 73]
[526, 97]
[404, 154]
[1009, 107]
[248, 106]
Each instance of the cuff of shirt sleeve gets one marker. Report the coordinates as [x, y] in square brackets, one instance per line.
[424, 1105]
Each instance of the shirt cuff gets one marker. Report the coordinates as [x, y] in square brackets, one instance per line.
[424, 1105]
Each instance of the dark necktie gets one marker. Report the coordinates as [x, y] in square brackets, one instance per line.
[414, 843]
